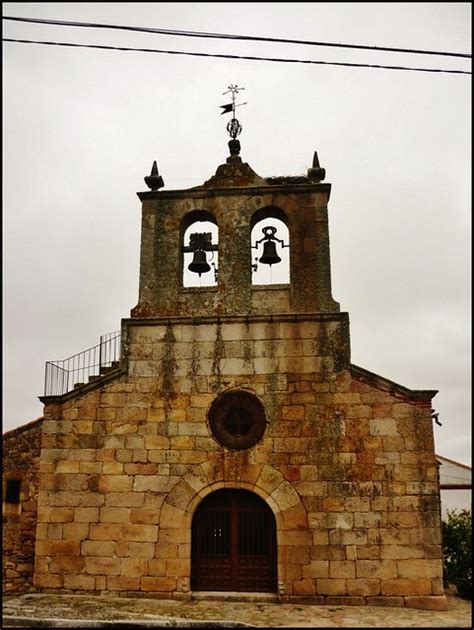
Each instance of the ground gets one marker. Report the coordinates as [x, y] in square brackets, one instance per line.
[176, 613]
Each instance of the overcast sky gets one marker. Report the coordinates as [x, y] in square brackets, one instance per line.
[83, 126]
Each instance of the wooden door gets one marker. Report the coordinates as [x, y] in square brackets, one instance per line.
[233, 544]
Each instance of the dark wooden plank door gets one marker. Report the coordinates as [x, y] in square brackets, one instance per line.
[233, 544]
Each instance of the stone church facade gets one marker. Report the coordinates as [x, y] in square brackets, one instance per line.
[235, 447]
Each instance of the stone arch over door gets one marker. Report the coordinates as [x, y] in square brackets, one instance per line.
[177, 513]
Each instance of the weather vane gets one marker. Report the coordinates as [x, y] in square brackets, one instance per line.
[233, 127]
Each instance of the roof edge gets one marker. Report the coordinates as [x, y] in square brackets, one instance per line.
[452, 461]
[24, 427]
[423, 395]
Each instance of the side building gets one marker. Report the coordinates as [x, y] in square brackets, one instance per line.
[20, 475]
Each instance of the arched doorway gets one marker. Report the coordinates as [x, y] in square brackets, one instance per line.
[233, 544]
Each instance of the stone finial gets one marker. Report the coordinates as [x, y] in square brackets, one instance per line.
[316, 173]
[234, 148]
[154, 180]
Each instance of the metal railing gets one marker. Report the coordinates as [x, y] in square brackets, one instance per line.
[64, 376]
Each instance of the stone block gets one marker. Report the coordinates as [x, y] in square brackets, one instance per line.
[83, 426]
[400, 552]
[106, 413]
[285, 496]
[331, 586]
[66, 466]
[150, 483]
[125, 499]
[344, 600]
[114, 515]
[297, 554]
[90, 467]
[66, 564]
[383, 569]
[54, 454]
[400, 586]
[383, 426]
[140, 549]
[320, 538]
[342, 569]
[157, 442]
[363, 587]
[138, 533]
[112, 468]
[420, 568]
[75, 531]
[304, 587]
[103, 566]
[146, 517]
[316, 569]
[55, 514]
[157, 568]
[86, 514]
[177, 567]
[390, 536]
[133, 567]
[295, 518]
[434, 602]
[293, 572]
[100, 583]
[174, 535]
[367, 519]
[340, 520]
[293, 412]
[161, 584]
[122, 583]
[97, 548]
[195, 428]
[166, 550]
[41, 580]
[393, 602]
[171, 517]
[106, 531]
[54, 531]
[115, 483]
[83, 454]
[91, 499]
[294, 538]
[140, 469]
[58, 547]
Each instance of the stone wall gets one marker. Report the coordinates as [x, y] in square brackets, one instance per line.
[21, 451]
[164, 215]
[346, 464]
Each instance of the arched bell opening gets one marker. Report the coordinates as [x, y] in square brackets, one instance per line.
[270, 247]
[199, 246]
[233, 543]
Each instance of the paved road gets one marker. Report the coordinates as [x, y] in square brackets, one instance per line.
[88, 611]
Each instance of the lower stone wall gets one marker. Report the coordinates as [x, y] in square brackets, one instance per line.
[346, 464]
[21, 452]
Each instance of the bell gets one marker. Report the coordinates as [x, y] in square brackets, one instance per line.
[199, 263]
[269, 256]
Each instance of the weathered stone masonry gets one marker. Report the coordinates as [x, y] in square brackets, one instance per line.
[20, 462]
[346, 463]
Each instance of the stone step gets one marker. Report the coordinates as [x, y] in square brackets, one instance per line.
[109, 368]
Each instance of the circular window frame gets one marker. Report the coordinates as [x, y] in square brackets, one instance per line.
[232, 402]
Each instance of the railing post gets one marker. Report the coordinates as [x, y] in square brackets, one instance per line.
[100, 351]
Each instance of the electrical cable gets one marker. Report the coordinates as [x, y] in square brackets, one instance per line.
[228, 56]
[179, 33]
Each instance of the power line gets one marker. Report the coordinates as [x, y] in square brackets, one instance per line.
[226, 56]
[179, 33]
